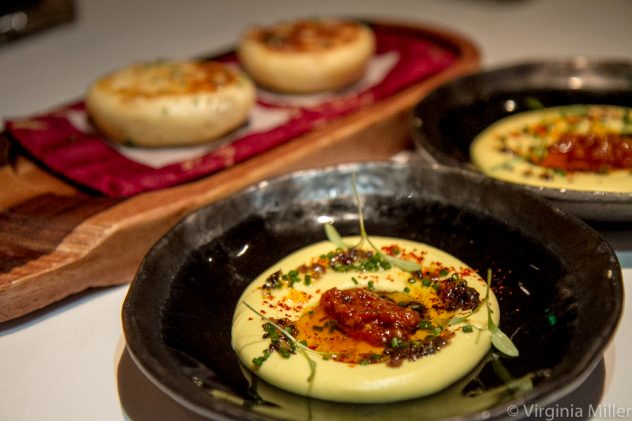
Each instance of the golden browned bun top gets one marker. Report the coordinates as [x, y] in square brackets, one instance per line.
[308, 35]
[169, 78]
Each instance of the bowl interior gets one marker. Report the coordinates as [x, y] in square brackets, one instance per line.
[550, 271]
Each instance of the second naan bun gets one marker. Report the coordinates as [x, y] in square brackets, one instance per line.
[307, 56]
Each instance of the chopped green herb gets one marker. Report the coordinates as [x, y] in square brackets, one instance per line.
[259, 360]
[533, 103]
[552, 318]
[395, 342]
[284, 352]
[330, 325]
[425, 324]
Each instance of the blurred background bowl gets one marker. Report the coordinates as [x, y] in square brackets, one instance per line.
[448, 119]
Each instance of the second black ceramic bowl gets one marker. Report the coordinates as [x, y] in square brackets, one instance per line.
[558, 282]
[448, 119]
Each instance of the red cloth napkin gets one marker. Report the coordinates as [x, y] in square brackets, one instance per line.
[87, 159]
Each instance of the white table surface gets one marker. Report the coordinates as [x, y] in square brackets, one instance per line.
[67, 362]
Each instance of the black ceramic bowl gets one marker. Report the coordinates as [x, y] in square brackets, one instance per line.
[559, 286]
[449, 118]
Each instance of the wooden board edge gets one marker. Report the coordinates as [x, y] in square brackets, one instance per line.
[64, 274]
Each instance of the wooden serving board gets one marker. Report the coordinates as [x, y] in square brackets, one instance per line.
[57, 240]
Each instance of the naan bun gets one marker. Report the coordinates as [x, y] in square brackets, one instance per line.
[307, 56]
[170, 103]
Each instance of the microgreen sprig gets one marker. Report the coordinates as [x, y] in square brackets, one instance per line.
[298, 345]
[523, 384]
[333, 236]
[501, 341]
[457, 320]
